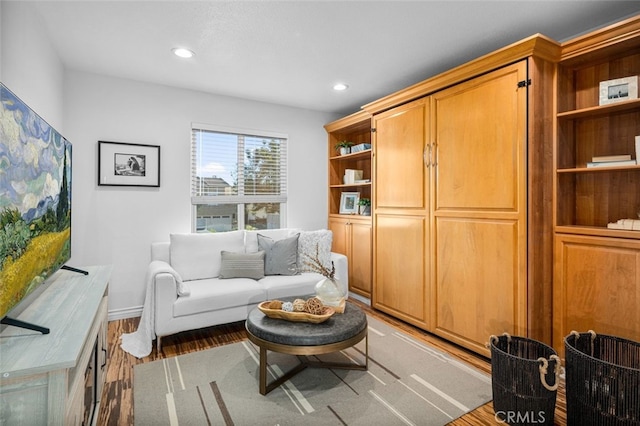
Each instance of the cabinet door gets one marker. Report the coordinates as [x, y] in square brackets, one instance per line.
[400, 154]
[340, 239]
[480, 208]
[401, 214]
[360, 258]
[596, 287]
[401, 267]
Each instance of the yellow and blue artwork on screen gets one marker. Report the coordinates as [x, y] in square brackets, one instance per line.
[35, 201]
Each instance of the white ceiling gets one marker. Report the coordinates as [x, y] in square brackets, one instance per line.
[292, 52]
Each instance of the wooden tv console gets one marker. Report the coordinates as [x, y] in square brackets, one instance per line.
[42, 376]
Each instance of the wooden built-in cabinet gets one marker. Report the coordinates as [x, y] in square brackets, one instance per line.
[351, 232]
[352, 237]
[597, 271]
[53, 378]
[486, 218]
[463, 189]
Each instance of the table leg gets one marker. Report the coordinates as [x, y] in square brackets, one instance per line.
[263, 371]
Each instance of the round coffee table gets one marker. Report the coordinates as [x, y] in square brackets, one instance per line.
[339, 332]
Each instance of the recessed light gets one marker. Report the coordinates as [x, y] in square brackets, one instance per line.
[340, 87]
[182, 52]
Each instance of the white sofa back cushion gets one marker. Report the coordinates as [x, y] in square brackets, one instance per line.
[197, 256]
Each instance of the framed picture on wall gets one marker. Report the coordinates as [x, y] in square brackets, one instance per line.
[128, 164]
[349, 202]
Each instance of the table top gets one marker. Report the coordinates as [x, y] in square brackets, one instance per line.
[338, 328]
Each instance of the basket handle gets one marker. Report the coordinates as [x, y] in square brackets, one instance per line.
[543, 372]
[494, 339]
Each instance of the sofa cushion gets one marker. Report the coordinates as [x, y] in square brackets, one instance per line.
[215, 294]
[312, 243]
[280, 257]
[197, 256]
[278, 287]
[242, 265]
[251, 237]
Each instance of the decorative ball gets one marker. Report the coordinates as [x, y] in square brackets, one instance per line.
[275, 304]
[287, 307]
[298, 305]
[314, 306]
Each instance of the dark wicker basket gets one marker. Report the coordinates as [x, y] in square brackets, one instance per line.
[603, 380]
[519, 366]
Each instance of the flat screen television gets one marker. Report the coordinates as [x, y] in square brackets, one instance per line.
[35, 205]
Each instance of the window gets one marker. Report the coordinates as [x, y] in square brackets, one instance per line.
[238, 179]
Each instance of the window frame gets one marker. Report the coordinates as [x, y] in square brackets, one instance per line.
[240, 200]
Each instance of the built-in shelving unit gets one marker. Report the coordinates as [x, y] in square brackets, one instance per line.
[596, 268]
[352, 233]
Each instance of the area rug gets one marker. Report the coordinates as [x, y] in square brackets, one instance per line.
[407, 383]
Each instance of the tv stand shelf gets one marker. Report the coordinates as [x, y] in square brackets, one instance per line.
[42, 376]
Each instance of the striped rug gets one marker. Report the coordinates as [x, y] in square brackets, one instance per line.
[408, 383]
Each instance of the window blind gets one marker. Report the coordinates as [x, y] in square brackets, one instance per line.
[230, 166]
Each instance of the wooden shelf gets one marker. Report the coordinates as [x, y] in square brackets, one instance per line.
[353, 156]
[597, 231]
[350, 185]
[600, 110]
[598, 169]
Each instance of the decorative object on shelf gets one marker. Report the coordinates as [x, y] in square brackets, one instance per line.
[360, 147]
[349, 202]
[127, 164]
[329, 290]
[351, 176]
[619, 89]
[344, 147]
[365, 206]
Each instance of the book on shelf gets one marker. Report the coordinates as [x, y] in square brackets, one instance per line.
[628, 224]
[612, 163]
[637, 147]
[605, 158]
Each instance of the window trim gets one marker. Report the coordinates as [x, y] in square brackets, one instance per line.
[233, 199]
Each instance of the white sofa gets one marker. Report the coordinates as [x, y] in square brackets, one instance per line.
[190, 292]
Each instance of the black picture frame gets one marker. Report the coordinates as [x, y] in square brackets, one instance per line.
[128, 164]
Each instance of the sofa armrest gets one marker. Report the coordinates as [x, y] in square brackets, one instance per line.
[340, 262]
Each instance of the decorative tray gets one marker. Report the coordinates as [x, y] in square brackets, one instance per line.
[296, 316]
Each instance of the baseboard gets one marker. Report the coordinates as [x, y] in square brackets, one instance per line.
[359, 298]
[117, 314]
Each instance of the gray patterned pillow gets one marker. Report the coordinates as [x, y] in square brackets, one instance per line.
[280, 257]
[242, 265]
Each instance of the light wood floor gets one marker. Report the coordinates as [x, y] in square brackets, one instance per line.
[117, 398]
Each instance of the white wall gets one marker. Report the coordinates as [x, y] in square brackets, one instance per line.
[29, 66]
[115, 225]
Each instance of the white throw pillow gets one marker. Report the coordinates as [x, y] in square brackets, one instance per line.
[311, 243]
[197, 256]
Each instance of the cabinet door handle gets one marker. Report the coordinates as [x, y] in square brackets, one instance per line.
[426, 156]
[434, 155]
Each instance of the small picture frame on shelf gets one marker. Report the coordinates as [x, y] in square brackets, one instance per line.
[619, 89]
[349, 202]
